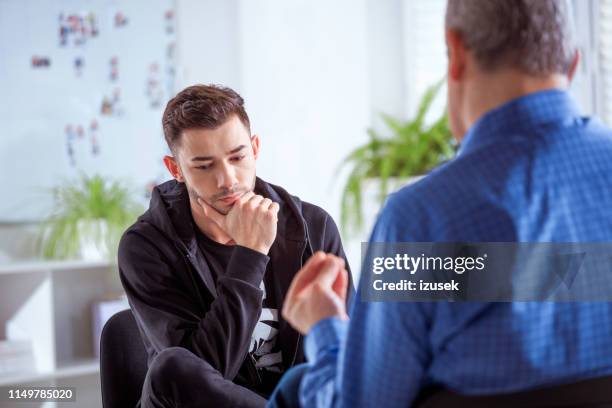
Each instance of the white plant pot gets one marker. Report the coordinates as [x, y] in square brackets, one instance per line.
[93, 239]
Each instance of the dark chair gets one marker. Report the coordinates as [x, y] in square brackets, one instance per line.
[589, 393]
[123, 361]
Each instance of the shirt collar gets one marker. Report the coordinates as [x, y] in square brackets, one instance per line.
[520, 116]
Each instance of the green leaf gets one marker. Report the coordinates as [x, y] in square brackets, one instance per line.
[86, 199]
[411, 149]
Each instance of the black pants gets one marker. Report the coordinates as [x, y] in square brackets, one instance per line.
[179, 378]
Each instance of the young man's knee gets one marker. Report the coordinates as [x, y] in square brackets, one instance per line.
[179, 363]
[169, 362]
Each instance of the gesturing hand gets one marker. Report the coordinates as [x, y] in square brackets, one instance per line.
[251, 222]
[318, 291]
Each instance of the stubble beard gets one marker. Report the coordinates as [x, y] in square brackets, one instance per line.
[193, 194]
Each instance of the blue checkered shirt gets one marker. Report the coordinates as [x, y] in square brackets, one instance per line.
[532, 170]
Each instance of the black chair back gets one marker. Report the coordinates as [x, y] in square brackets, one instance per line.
[589, 393]
[123, 361]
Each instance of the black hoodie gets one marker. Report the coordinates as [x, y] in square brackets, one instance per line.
[173, 295]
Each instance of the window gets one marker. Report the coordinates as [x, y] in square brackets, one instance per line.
[603, 41]
[424, 51]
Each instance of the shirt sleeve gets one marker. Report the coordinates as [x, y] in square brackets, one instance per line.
[377, 359]
[322, 346]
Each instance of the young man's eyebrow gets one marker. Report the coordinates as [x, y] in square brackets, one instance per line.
[206, 158]
[236, 150]
[201, 158]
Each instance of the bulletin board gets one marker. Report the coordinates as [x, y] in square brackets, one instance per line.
[83, 85]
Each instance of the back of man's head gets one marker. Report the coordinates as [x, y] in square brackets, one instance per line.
[534, 36]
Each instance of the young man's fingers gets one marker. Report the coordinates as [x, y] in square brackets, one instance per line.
[266, 203]
[255, 201]
[245, 197]
[274, 207]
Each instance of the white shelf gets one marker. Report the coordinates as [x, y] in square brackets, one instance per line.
[77, 369]
[49, 303]
[45, 266]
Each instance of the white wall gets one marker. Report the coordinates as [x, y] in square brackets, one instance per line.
[425, 58]
[305, 81]
[302, 67]
[386, 57]
[586, 80]
[208, 42]
[314, 74]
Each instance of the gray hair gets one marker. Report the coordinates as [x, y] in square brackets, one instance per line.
[535, 36]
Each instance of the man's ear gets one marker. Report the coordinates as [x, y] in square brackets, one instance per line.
[255, 145]
[456, 55]
[174, 168]
[573, 65]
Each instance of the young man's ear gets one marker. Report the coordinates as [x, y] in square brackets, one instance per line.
[456, 55]
[174, 168]
[255, 145]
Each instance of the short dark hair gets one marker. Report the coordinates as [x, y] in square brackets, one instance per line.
[201, 106]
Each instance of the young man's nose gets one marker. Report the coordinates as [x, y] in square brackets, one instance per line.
[226, 178]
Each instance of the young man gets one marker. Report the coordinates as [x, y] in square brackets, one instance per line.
[530, 169]
[207, 266]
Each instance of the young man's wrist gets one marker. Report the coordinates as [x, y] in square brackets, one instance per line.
[248, 265]
[255, 247]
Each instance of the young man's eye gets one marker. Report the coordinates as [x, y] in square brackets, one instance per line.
[204, 167]
[237, 158]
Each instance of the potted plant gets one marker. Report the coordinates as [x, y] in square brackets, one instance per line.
[412, 149]
[89, 217]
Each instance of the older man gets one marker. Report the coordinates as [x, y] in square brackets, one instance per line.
[530, 169]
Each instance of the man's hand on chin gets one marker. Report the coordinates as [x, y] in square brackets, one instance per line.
[318, 291]
[251, 222]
